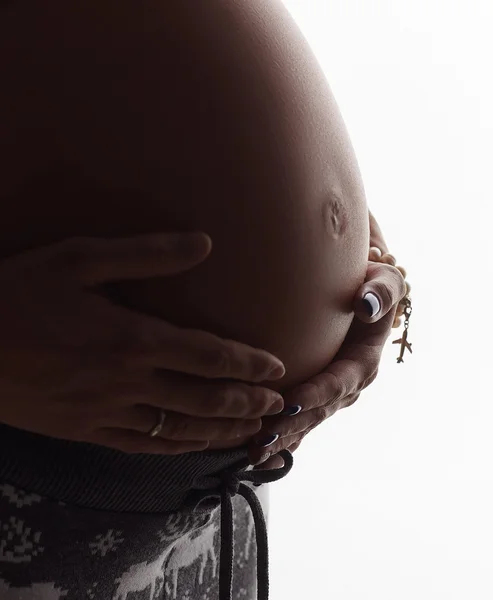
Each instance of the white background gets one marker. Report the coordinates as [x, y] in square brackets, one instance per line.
[393, 498]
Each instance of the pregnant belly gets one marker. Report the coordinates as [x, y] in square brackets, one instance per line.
[176, 116]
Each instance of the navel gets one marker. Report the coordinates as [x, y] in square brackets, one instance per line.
[334, 214]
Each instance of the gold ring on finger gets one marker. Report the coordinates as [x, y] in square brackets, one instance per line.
[159, 425]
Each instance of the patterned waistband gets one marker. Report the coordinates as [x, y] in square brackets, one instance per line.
[97, 477]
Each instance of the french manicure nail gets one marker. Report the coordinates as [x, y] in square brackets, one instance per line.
[290, 411]
[371, 304]
[264, 458]
[268, 441]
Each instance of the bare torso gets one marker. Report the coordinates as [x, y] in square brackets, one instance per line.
[182, 115]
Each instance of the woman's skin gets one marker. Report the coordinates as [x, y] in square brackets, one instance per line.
[156, 117]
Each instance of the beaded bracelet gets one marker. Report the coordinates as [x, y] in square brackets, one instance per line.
[404, 308]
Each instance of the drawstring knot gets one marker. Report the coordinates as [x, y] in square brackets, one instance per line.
[230, 483]
[227, 484]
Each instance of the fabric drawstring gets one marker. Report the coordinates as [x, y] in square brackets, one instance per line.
[227, 484]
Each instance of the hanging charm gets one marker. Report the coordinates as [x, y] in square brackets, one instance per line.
[405, 345]
[404, 308]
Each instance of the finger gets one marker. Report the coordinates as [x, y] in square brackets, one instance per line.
[133, 442]
[274, 462]
[336, 387]
[270, 452]
[375, 254]
[179, 427]
[386, 287]
[286, 430]
[207, 399]
[302, 422]
[291, 428]
[179, 393]
[144, 341]
[293, 447]
[389, 259]
[96, 260]
[290, 432]
[354, 367]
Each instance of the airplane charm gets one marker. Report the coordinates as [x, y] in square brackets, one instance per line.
[405, 345]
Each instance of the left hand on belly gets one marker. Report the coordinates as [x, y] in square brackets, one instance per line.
[354, 368]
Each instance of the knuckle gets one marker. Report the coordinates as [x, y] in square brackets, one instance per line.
[389, 259]
[257, 401]
[338, 390]
[218, 360]
[400, 276]
[178, 430]
[396, 291]
[217, 403]
[309, 396]
[399, 290]
[352, 400]
[370, 378]
[287, 429]
[294, 446]
[321, 413]
[229, 401]
[269, 401]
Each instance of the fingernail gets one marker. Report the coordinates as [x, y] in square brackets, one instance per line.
[268, 440]
[258, 465]
[276, 373]
[371, 304]
[290, 411]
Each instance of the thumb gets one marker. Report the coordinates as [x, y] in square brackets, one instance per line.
[382, 290]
